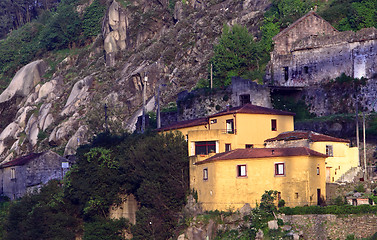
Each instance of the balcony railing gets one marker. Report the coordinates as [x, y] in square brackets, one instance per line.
[229, 131]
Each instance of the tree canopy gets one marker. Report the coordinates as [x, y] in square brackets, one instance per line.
[236, 54]
[153, 167]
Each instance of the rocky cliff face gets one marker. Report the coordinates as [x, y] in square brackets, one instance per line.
[58, 102]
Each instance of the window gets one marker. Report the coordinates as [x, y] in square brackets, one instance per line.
[205, 147]
[241, 171]
[286, 73]
[279, 196]
[296, 195]
[273, 125]
[249, 146]
[244, 99]
[317, 170]
[228, 147]
[306, 69]
[13, 173]
[205, 174]
[230, 126]
[329, 150]
[279, 169]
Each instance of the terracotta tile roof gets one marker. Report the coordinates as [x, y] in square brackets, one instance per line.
[262, 153]
[297, 22]
[311, 136]
[253, 109]
[183, 124]
[21, 160]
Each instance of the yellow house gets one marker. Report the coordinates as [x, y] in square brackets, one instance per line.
[246, 126]
[341, 158]
[227, 181]
[186, 126]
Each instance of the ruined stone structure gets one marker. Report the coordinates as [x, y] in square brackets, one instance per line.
[201, 103]
[311, 51]
[28, 173]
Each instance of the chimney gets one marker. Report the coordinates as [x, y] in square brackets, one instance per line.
[227, 107]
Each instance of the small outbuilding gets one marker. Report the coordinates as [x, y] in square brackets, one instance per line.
[28, 173]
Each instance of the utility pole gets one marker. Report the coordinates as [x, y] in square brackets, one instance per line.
[365, 150]
[107, 129]
[211, 77]
[158, 108]
[357, 132]
[144, 97]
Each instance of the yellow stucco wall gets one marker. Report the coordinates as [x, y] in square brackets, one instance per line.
[253, 128]
[344, 158]
[185, 130]
[225, 191]
[249, 129]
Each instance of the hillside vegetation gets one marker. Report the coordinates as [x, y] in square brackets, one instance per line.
[154, 168]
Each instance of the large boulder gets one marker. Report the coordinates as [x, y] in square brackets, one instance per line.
[24, 80]
[78, 95]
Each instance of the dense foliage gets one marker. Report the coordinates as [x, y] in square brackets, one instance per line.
[235, 54]
[152, 167]
[15, 13]
[332, 209]
[57, 28]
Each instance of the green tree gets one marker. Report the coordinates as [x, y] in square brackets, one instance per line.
[236, 54]
[267, 201]
[91, 23]
[63, 28]
[45, 215]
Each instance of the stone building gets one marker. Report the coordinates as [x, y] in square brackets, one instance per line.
[28, 173]
[311, 51]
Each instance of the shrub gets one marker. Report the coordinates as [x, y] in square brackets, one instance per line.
[359, 188]
[91, 23]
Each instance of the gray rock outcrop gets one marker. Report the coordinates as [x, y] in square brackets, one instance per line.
[24, 80]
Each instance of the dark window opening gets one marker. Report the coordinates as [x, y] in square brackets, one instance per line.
[205, 147]
[241, 171]
[228, 147]
[329, 150]
[286, 73]
[249, 146]
[244, 99]
[317, 170]
[273, 125]
[306, 69]
[230, 126]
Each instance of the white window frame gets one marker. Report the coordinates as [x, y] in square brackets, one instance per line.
[277, 169]
[330, 150]
[241, 170]
[205, 174]
[13, 173]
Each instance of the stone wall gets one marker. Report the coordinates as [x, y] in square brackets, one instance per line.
[127, 209]
[32, 174]
[321, 58]
[205, 102]
[337, 97]
[329, 226]
[310, 24]
[302, 58]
